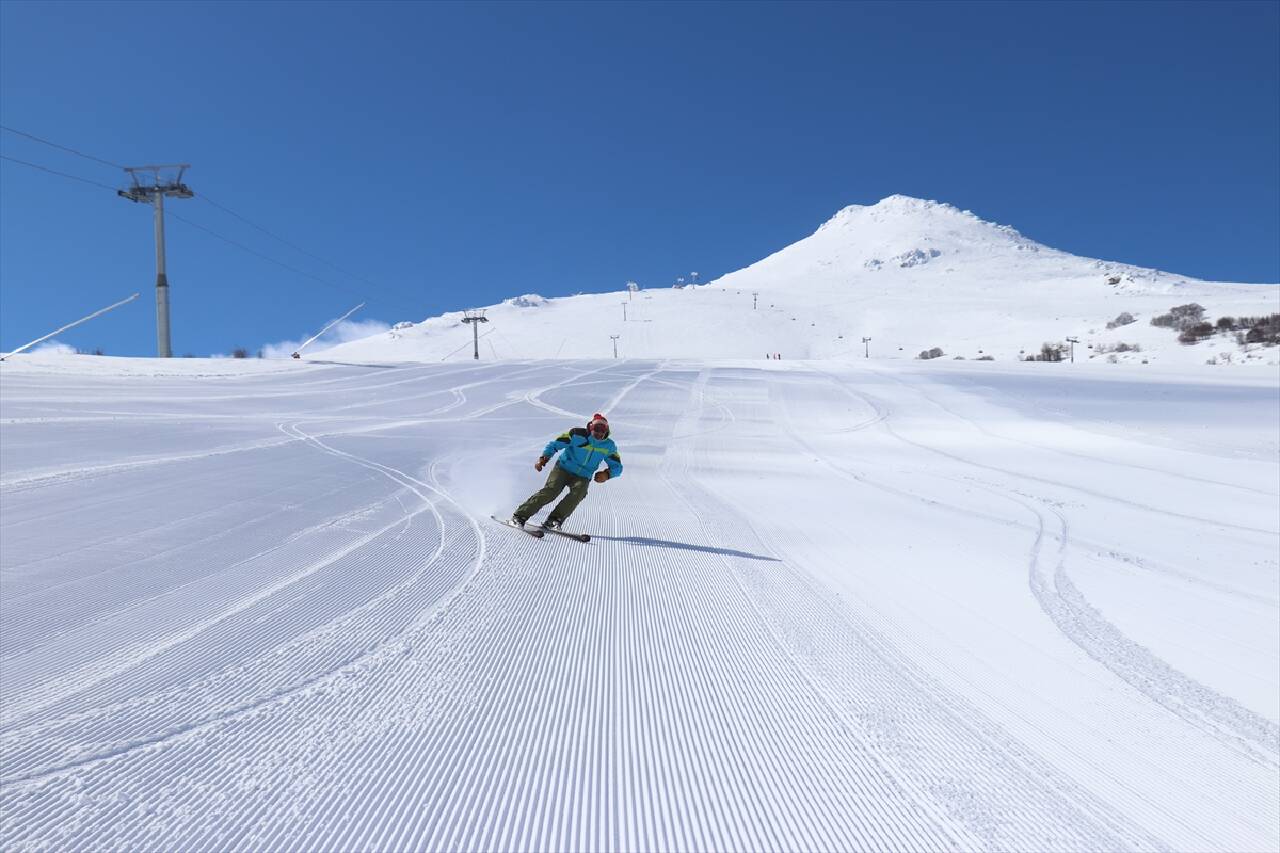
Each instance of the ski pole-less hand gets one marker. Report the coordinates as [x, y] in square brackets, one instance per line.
[542, 460]
[601, 476]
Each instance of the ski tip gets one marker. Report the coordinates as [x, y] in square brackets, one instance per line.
[580, 537]
[535, 532]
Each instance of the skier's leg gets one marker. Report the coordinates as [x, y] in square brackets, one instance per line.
[577, 491]
[554, 486]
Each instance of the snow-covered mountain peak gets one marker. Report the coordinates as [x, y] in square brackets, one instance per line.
[923, 210]
[913, 274]
[900, 219]
[902, 205]
[901, 233]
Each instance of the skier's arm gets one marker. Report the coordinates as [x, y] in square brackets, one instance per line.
[614, 461]
[553, 447]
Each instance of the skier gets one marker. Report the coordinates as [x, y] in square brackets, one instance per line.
[581, 452]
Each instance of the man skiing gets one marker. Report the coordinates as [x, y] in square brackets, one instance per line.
[581, 452]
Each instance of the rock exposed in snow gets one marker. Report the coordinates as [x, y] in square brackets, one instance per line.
[915, 257]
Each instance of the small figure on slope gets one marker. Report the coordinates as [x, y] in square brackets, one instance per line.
[581, 452]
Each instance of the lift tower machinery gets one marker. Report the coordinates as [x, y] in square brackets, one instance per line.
[472, 317]
[147, 186]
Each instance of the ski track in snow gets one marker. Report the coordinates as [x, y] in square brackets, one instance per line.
[1088, 629]
[981, 780]
[315, 639]
[1255, 737]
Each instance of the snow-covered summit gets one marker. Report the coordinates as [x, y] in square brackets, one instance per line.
[912, 274]
[925, 219]
[528, 300]
[898, 232]
[909, 211]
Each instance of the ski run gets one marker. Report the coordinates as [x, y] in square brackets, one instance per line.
[831, 606]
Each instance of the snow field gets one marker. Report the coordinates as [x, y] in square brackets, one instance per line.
[858, 606]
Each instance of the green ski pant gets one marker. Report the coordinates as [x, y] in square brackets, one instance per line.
[557, 481]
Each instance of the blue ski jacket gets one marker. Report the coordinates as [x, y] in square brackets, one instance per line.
[581, 453]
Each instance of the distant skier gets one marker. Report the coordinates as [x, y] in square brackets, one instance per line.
[581, 452]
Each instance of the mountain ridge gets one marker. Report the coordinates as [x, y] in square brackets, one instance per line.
[912, 274]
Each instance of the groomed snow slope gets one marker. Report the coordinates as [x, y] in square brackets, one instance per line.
[910, 274]
[873, 606]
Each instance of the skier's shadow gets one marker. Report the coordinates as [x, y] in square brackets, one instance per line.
[685, 546]
[352, 364]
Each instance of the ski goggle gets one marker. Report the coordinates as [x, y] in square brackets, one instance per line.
[600, 429]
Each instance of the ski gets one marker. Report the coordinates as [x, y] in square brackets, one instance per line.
[535, 532]
[581, 537]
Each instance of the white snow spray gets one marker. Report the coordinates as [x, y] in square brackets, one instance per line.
[298, 352]
[97, 313]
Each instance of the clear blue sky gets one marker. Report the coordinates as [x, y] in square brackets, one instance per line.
[455, 155]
